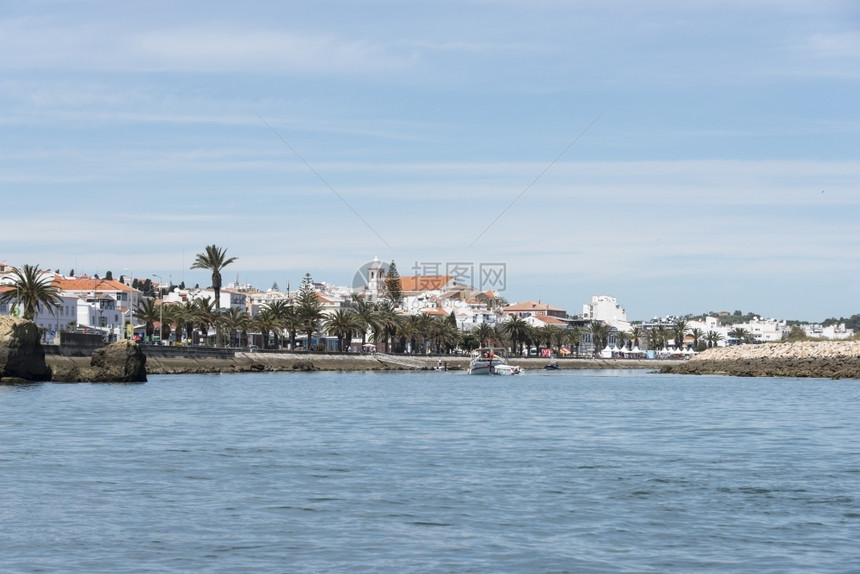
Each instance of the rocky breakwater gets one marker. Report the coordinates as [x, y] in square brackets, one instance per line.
[22, 357]
[827, 359]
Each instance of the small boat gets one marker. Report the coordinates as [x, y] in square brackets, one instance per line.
[487, 362]
[552, 366]
[507, 370]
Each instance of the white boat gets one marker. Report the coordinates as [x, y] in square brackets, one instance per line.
[486, 362]
[507, 370]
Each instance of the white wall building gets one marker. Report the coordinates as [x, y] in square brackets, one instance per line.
[605, 308]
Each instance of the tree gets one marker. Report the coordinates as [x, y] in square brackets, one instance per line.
[147, 312]
[393, 285]
[214, 259]
[33, 291]
[517, 329]
[309, 308]
[484, 334]
[343, 323]
[600, 334]
[576, 333]
[265, 321]
[636, 335]
[389, 321]
[740, 334]
[235, 320]
[365, 311]
[443, 335]
[657, 337]
[697, 335]
[796, 333]
[713, 338]
[205, 315]
[679, 329]
[281, 309]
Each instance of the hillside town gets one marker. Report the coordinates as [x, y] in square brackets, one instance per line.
[381, 311]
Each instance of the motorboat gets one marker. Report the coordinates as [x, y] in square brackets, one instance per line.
[507, 370]
[487, 362]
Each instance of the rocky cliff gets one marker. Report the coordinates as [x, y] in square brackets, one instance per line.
[22, 357]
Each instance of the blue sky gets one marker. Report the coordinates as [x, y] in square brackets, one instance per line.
[713, 166]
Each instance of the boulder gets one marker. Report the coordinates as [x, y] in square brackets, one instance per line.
[120, 362]
[21, 354]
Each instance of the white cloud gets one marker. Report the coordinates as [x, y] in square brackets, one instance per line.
[214, 48]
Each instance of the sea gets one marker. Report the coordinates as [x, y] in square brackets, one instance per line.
[549, 471]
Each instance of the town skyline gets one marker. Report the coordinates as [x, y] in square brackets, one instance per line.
[201, 279]
[678, 156]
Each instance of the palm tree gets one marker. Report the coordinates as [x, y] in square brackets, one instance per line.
[365, 311]
[740, 334]
[600, 334]
[517, 329]
[292, 322]
[32, 291]
[636, 335]
[214, 259]
[713, 338]
[205, 315]
[576, 333]
[387, 320]
[679, 329]
[265, 322]
[148, 313]
[697, 334]
[559, 337]
[657, 337]
[284, 314]
[342, 324]
[236, 320]
[444, 335]
[484, 333]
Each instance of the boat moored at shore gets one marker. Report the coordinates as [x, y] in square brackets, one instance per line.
[487, 362]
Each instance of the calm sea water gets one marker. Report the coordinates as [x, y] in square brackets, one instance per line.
[590, 471]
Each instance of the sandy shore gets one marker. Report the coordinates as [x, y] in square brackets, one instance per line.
[827, 359]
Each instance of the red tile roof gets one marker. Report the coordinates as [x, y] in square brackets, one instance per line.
[425, 282]
[531, 306]
[84, 283]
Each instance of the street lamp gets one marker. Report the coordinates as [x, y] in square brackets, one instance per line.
[160, 310]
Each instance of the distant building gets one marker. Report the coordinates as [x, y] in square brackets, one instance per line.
[531, 308]
[605, 308]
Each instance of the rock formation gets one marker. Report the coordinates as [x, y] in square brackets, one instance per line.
[828, 359]
[120, 362]
[22, 357]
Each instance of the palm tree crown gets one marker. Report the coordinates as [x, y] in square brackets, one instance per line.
[32, 291]
[214, 259]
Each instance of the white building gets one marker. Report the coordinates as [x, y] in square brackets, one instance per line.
[605, 308]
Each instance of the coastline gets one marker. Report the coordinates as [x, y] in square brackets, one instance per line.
[166, 363]
[825, 359]
[805, 359]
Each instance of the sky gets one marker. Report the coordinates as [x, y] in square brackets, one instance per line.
[682, 156]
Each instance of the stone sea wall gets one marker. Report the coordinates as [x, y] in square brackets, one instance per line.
[827, 359]
[178, 361]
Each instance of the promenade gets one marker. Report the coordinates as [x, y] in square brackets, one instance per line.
[175, 360]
